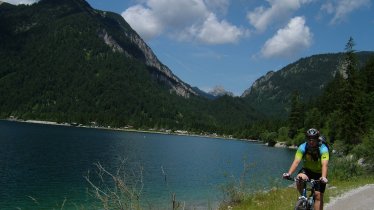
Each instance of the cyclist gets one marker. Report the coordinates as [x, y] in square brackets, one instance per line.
[315, 156]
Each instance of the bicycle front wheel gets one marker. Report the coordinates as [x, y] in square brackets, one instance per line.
[301, 205]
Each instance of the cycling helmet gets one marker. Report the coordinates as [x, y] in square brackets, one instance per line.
[312, 133]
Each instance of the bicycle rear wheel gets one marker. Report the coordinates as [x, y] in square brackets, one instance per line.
[301, 205]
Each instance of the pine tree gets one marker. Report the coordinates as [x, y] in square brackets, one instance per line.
[295, 118]
[368, 77]
[368, 74]
[351, 108]
[331, 95]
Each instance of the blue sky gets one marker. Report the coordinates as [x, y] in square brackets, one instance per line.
[231, 43]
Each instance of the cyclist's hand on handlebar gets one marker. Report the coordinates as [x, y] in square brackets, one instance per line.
[324, 180]
[286, 176]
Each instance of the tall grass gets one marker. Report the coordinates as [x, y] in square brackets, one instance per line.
[285, 198]
[122, 189]
[273, 199]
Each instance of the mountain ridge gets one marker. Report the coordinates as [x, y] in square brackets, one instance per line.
[112, 39]
[66, 62]
[271, 93]
[219, 91]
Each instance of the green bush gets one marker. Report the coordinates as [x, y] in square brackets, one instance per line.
[366, 150]
[299, 138]
[283, 134]
[344, 168]
[341, 148]
[269, 137]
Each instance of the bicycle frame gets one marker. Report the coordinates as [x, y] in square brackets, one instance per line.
[304, 201]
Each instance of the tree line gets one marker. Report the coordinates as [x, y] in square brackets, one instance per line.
[343, 112]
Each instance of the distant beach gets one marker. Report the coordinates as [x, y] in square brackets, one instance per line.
[128, 129]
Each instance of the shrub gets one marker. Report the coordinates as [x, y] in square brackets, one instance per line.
[121, 189]
[366, 150]
[269, 138]
[344, 168]
[283, 134]
[299, 138]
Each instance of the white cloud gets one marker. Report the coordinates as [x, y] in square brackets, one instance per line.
[215, 32]
[279, 10]
[178, 13]
[295, 37]
[16, 2]
[340, 9]
[183, 20]
[143, 21]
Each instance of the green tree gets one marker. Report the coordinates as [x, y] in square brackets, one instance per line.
[366, 149]
[368, 75]
[295, 118]
[331, 95]
[351, 108]
[269, 137]
[283, 135]
[313, 118]
[368, 78]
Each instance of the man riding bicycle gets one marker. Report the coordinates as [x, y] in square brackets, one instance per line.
[315, 156]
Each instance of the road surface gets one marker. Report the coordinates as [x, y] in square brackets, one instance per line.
[357, 199]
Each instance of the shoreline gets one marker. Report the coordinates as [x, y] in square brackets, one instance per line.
[167, 132]
[283, 145]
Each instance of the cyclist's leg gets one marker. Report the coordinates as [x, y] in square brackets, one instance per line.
[318, 200]
[303, 175]
[318, 196]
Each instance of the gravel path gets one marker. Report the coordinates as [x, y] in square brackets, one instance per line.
[357, 199]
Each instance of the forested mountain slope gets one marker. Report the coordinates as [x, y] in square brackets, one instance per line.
[65, 61]
[272, 92]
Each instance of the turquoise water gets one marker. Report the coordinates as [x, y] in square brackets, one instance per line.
[43, 166]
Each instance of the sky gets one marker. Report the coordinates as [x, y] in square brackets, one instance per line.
[231, 43]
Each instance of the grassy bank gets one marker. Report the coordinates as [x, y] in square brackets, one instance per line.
[285, 198]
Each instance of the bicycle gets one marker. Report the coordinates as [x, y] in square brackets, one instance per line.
[305, 202]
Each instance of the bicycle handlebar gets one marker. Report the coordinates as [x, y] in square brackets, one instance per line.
[298, 179]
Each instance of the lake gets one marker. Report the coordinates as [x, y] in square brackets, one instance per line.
[43, 166]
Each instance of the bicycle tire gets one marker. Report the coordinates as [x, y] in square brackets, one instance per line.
[301, 205]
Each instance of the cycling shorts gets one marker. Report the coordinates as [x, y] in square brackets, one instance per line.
[319, 186]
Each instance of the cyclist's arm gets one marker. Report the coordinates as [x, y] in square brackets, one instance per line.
[325, 164]
[294, 166]
[324, 161]
[298, 157]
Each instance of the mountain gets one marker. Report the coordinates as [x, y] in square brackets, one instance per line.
[219, 91]
[203, 93]
[271, 93]
[108, 28]
[62, 60]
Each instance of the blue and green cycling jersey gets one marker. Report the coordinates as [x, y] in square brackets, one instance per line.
[313, 164]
